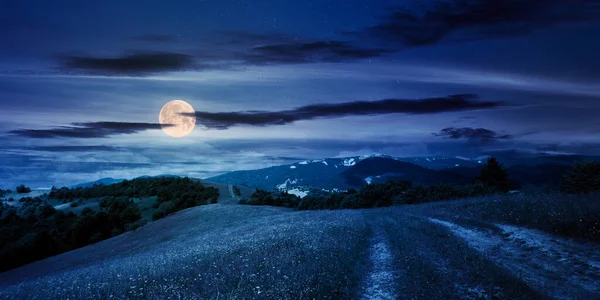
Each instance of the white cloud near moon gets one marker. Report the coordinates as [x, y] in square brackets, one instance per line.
[171, 114]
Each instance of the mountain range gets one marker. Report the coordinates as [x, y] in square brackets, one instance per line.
[357, 171]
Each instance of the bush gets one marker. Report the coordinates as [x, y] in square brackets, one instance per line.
[583, 178]
[22, 189]
[165, 209]
[262, 197]
[236, 190]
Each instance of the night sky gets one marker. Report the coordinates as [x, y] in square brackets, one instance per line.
[273, 82]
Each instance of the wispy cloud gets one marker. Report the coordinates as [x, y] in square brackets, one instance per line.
[224, 120]
[472, 134]
[430, 24]
[307, 52]
[232, 49]
[483, 19]
[134, 64]
[85, 148]
[88, 130]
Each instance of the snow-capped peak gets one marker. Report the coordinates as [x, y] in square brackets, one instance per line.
[462, 158]
[348, 162]
[284, 185]
[371, 155]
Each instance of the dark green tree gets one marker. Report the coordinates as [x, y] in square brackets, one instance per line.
[493, 175]
[583, 178]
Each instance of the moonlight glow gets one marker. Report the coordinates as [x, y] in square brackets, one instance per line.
[179, 125]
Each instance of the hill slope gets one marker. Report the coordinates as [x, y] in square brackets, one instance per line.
[232, 251]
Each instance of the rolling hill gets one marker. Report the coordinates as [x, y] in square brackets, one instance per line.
[229, 251]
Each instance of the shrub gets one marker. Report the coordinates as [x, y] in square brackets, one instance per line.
[164, 210]
[583, 178]
[236, 190]
[262, 197]
[22, 189]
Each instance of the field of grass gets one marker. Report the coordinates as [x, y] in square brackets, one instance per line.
[574, 216]
[209, 252]
[460, 249]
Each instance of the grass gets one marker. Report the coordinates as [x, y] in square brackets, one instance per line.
[573, 216]
[209, 251]
[231, 251]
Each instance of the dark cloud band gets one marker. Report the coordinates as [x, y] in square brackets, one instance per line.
[88, 130]
[224, 120]
[483, 18]
[472, 134]
[135, 64]
[452, 20]
[85, 148]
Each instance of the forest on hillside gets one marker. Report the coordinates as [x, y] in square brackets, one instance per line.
[34, 229]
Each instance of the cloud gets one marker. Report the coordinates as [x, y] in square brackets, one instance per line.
[134, 64]
[472, 134]
[471, 19]
[91, 148]
[226, 50]
[224, 120]
[248, 48]
[307, 52]
[464, 119]
[481, 18]
[88, 130]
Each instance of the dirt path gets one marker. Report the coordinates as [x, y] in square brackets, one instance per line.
[551, 265]
[379, 283]
[230, 188]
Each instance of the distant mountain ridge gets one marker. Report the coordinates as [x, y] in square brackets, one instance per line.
[356, 171]
[345, 172]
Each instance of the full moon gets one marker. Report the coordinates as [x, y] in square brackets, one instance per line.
[173, 122]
